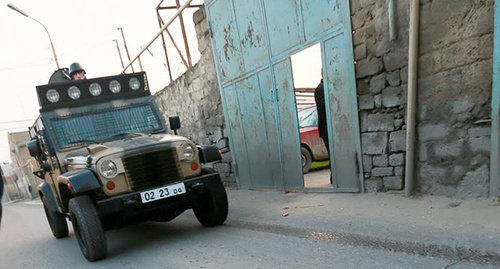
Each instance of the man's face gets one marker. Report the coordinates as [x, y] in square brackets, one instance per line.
[79, 75]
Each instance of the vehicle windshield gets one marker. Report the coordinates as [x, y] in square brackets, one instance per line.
[85, 128]
[308, 117]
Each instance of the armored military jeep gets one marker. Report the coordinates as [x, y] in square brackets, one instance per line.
[108, 160]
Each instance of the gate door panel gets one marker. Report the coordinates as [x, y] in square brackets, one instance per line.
[225, 36]
[290, 138]
[268, 103]
[237, 141]
[283, 23]
[344, 132]
[254, 128]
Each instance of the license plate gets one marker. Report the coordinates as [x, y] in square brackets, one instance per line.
[163, 192]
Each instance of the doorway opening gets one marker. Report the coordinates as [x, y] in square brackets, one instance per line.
[307, 71]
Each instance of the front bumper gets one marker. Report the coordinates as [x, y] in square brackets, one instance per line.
[131, 204]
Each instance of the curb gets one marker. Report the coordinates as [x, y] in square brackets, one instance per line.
[459, 253]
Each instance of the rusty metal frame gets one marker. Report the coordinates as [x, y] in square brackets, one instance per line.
[161, 23]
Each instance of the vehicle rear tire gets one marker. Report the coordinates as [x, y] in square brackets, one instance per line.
[306, 160]
[57, 221]
[213, 208]
[88, 228]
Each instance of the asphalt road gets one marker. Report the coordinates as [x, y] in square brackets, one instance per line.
[26, 242]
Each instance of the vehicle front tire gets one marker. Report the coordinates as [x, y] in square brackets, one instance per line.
[88, 228]
[306, 160]
[57, 221]
[213, 208]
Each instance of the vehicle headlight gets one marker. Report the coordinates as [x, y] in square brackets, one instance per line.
[134, 84]
[95, 89]
[52, 95]
[109, 169]
[188, 150]
[74, 93]
[115, 87]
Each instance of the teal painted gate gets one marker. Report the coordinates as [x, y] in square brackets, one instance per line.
[495, 111]
[252, 43]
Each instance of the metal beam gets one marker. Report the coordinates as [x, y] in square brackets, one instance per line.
[183, 28]
[160, 22]
[158, 34]
[175, 45]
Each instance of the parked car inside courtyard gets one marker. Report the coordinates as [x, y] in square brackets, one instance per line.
[312, 146]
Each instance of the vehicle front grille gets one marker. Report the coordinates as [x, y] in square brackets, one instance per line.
[152, 169]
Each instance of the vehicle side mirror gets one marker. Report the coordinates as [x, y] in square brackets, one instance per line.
[40, 174]
[209, 154]
[34, 148]
[175, 123]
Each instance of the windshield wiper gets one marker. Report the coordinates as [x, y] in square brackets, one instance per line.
[127, 134]
[85, 140]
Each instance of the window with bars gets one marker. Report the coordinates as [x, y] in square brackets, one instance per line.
[81, 128]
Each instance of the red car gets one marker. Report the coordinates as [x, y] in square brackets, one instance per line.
[312, 146]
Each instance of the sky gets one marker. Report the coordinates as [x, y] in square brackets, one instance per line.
[81, 31]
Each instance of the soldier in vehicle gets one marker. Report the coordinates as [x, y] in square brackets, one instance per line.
[76, 71]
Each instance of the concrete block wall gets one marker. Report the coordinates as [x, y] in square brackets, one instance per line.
[195, 98]
[454, 94]
[455, 97]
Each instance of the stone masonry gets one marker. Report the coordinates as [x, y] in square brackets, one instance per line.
[454, 94]
[196, 99]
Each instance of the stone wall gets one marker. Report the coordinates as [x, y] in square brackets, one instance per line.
[454, 94]
[195, 98]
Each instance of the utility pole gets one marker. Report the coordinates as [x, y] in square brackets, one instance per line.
[119, 53]
[125, 45]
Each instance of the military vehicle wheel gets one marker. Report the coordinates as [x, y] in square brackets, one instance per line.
[57, 221]
[213, 210]
[88, 228]
[306, 160]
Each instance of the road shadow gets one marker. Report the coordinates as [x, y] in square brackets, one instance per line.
[150, 234]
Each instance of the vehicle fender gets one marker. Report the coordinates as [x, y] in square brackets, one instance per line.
[81, 180]
[209, 154]
[46, 192]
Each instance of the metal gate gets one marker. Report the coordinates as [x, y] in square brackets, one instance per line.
[252, 44]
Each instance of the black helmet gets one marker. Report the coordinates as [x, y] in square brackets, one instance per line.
[75, 67]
